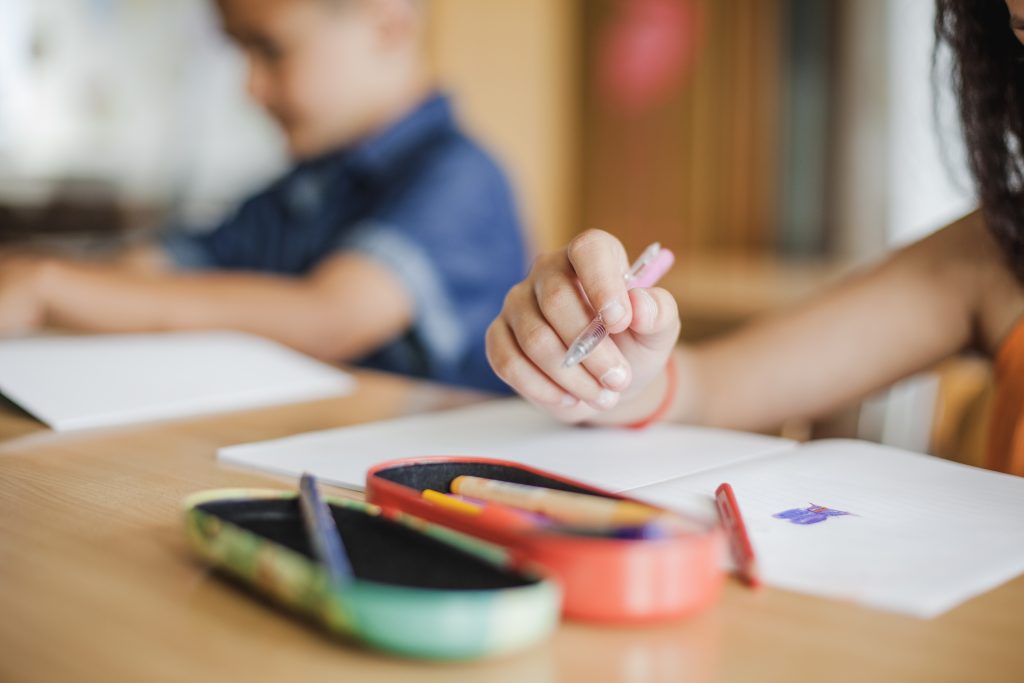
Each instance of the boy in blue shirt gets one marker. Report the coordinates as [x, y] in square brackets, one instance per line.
[391, 242]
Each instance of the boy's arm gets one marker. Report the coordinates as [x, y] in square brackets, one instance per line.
[148, 257]
[346, 307]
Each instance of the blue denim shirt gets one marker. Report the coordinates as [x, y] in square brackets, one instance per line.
[420, 198]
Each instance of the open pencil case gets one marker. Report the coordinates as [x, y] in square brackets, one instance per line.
[602, 579]
[419, 590]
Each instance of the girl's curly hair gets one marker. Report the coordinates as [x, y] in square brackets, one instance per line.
[988, 78]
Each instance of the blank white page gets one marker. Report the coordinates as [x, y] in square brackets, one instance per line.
[512, 430]
[922, 534]
[101, 380]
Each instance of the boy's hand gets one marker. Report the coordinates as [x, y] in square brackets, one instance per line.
[21, 303]
[543, 314]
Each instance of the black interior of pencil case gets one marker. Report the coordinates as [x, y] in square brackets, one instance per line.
[439, 475]
[379, 549]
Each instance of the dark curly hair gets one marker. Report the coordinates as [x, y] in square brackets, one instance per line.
[988, 78]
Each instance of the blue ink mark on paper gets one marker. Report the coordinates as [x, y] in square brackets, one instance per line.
[812, 514]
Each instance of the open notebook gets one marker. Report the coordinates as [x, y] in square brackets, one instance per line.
[843, 519]
[74, 382]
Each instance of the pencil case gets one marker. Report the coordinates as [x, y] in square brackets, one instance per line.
[602, 579]
[419, 590]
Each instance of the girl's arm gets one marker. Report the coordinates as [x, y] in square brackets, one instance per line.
[924, 303]
[903, 316]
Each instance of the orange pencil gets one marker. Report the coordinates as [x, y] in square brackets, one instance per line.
[736, 530]
[563, 506]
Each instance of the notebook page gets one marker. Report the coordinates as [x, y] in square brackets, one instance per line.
[509, 429]
[883, 527]
[74, 382]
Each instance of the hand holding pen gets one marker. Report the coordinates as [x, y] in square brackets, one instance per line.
[645, 272]
[589, 287]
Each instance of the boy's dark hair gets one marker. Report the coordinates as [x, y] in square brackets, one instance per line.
[988, 77]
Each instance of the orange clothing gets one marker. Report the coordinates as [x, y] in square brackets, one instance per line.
[1006, 435]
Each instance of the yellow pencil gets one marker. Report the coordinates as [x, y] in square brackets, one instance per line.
[449, 501]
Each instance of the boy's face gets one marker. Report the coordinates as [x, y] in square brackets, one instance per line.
[312, 65]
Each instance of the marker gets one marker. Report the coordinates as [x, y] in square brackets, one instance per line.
[736, 530]
[323, 532]
[653, 263]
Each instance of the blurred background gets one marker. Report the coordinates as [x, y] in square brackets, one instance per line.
[774, 144]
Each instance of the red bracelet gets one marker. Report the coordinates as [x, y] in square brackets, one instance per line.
[666, 402]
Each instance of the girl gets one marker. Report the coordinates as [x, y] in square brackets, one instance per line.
[961, 288]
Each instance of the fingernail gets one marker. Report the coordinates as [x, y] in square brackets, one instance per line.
[648, 303]
[612, 313]
[568, 401]
[615, 377]
[607, 398]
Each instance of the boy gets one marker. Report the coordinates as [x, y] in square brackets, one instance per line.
[391, 242]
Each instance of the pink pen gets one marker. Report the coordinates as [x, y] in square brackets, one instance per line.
[645, 272]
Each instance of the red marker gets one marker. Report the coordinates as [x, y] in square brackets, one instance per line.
[739, 541]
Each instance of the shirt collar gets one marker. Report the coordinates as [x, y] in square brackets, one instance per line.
[381, 154]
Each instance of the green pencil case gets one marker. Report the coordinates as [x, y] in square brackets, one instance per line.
[420, 590]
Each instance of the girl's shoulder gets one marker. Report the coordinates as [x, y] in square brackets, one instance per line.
[996, 294]
[964, 268]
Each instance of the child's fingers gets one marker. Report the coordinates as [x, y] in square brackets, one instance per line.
[655, 321]
[562, 306]
[599, 261]
[580, 412]
[516, 370]
[545, 349]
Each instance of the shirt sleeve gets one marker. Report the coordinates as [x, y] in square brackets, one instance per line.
[186, 251]
[241, 241]
[452, 237]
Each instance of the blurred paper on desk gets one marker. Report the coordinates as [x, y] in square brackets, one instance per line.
[76, 382]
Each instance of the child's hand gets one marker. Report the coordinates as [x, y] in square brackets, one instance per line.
[543, 314]
[21, 305]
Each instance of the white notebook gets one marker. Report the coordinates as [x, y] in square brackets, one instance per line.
[841, 519]
[616, 459]
[76, 382]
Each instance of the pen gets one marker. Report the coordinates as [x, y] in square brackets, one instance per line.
[645, 272]
[736, 530]
[323, 532]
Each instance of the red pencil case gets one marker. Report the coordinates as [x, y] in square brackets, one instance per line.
[603, 579]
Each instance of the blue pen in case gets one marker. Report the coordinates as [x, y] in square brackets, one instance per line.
[323, 532]
[416, 589]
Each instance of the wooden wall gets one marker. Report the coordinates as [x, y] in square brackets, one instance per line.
[699, 171]
[513, 66]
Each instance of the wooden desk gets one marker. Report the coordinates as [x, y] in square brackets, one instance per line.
[96, 583]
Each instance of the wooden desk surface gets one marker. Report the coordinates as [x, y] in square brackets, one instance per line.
[96, 583]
